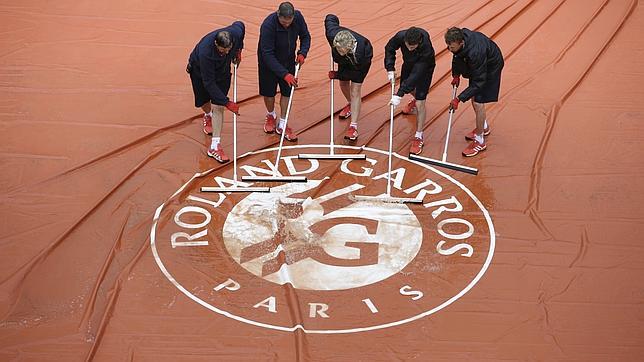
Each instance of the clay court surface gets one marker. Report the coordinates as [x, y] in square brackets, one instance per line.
[103, 156]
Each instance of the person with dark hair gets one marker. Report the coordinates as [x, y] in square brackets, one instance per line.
[353, 53]
[209, 69]
[415, 77]
[477, 57]
[223, 40]
[278, 36]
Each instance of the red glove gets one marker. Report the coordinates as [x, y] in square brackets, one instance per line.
[233, 107]
[453, 105]
[333, 74]
[238, 57]
[456, 81]
[290, 80]
[300, 59]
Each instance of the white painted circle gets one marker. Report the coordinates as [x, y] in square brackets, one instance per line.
[435, 309]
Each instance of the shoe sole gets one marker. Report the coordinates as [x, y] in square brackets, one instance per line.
[485, 134]
[213, 157]
[474, 154]
[208, 133]
[345, 116]
[286, 138]
[350, 138]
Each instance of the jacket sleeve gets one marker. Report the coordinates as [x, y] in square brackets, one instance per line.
[331, 25]
[239, 31]
[477, 78]
[207, 66]
[425, 64]
[456, 67]
[390, 53]
[367, 55]
[305, 38]
[267, 47]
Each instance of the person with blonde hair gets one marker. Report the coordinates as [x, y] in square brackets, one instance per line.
[353, 53]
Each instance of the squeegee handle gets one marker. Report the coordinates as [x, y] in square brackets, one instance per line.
[288, 113]
[449, 124]
[332, 66]
[235, 126]
[391, 136]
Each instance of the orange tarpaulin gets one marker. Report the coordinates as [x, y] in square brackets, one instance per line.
[103, 158]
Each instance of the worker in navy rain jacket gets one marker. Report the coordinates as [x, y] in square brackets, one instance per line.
[353, 53]
[415, 77]
[278, 36]
[209, 67]
[477, 57]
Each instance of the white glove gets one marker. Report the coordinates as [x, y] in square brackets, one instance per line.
[395, 101]
[391, 76]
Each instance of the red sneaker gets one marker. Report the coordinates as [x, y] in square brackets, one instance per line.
[473, 149]
[207, 124]
[470, 136]
[352, 133]
[410, 108]
[346, 112]
[416, 146]
[218, 154]
[269, 124]
[288, 135]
